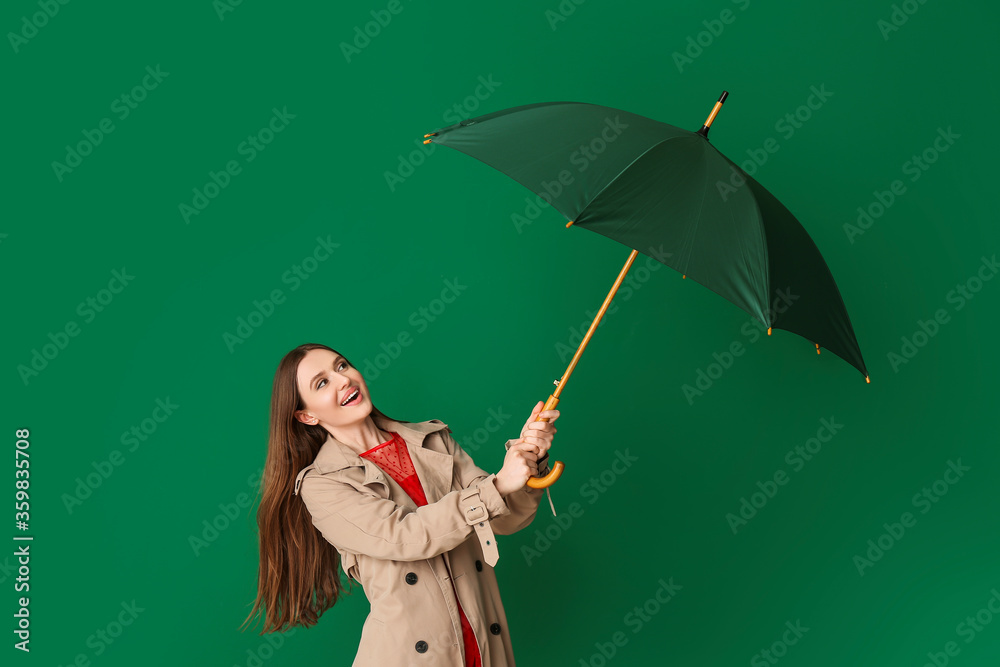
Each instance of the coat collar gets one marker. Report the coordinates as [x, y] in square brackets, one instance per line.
[434, 469]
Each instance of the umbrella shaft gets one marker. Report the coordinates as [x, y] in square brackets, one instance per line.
[593, 325]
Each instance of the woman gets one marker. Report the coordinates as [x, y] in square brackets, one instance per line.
[400, 506]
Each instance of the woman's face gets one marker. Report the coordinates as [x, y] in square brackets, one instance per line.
[325, 380]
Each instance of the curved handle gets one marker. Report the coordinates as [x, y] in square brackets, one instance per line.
[557, 467]
[548, 480]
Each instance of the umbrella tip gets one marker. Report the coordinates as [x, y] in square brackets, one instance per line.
[817, 347]
[569, 223]
[868, 379]
[769, 331]
[711, 117]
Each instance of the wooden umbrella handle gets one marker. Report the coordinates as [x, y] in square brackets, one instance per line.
[557, 467]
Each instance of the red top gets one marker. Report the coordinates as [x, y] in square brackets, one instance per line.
[393, 457]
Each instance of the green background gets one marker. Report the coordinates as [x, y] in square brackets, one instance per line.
[500, 343]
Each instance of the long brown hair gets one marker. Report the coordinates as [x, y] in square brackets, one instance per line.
[296, 561]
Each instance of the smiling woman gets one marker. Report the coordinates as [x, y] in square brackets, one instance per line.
[399, 506]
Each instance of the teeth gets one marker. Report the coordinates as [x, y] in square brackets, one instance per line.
[351, 397]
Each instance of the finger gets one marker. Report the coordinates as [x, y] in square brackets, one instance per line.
[538, 413]
[537, 440]
[544, 427]
[522, 446]
[529, 456]
[526, 450]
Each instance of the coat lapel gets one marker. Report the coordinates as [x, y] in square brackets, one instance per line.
[435, 470]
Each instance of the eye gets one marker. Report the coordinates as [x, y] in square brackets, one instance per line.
[342, 364]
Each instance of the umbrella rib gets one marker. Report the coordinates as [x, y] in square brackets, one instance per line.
[763, 244]
[767, 259]
[697, 222]
[619, 174]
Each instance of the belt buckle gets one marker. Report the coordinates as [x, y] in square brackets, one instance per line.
[476, 519]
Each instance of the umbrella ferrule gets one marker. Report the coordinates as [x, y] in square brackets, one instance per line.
[711, 117]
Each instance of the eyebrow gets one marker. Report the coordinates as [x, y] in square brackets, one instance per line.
[312, 382]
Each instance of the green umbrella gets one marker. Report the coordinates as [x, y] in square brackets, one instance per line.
[650, 185]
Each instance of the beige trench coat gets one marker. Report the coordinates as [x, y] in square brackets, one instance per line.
[405, 558]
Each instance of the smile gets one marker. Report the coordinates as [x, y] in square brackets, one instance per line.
[353, 399]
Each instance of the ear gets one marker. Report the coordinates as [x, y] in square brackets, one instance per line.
[303, 416]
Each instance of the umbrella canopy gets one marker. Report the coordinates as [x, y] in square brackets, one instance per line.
[670, 194]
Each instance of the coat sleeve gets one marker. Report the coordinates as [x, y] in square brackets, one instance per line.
[378, 527]
[523, 503]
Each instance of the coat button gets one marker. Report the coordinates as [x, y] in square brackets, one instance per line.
[411, 578]
[421, 646]
[479, 566]
[495, 628]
